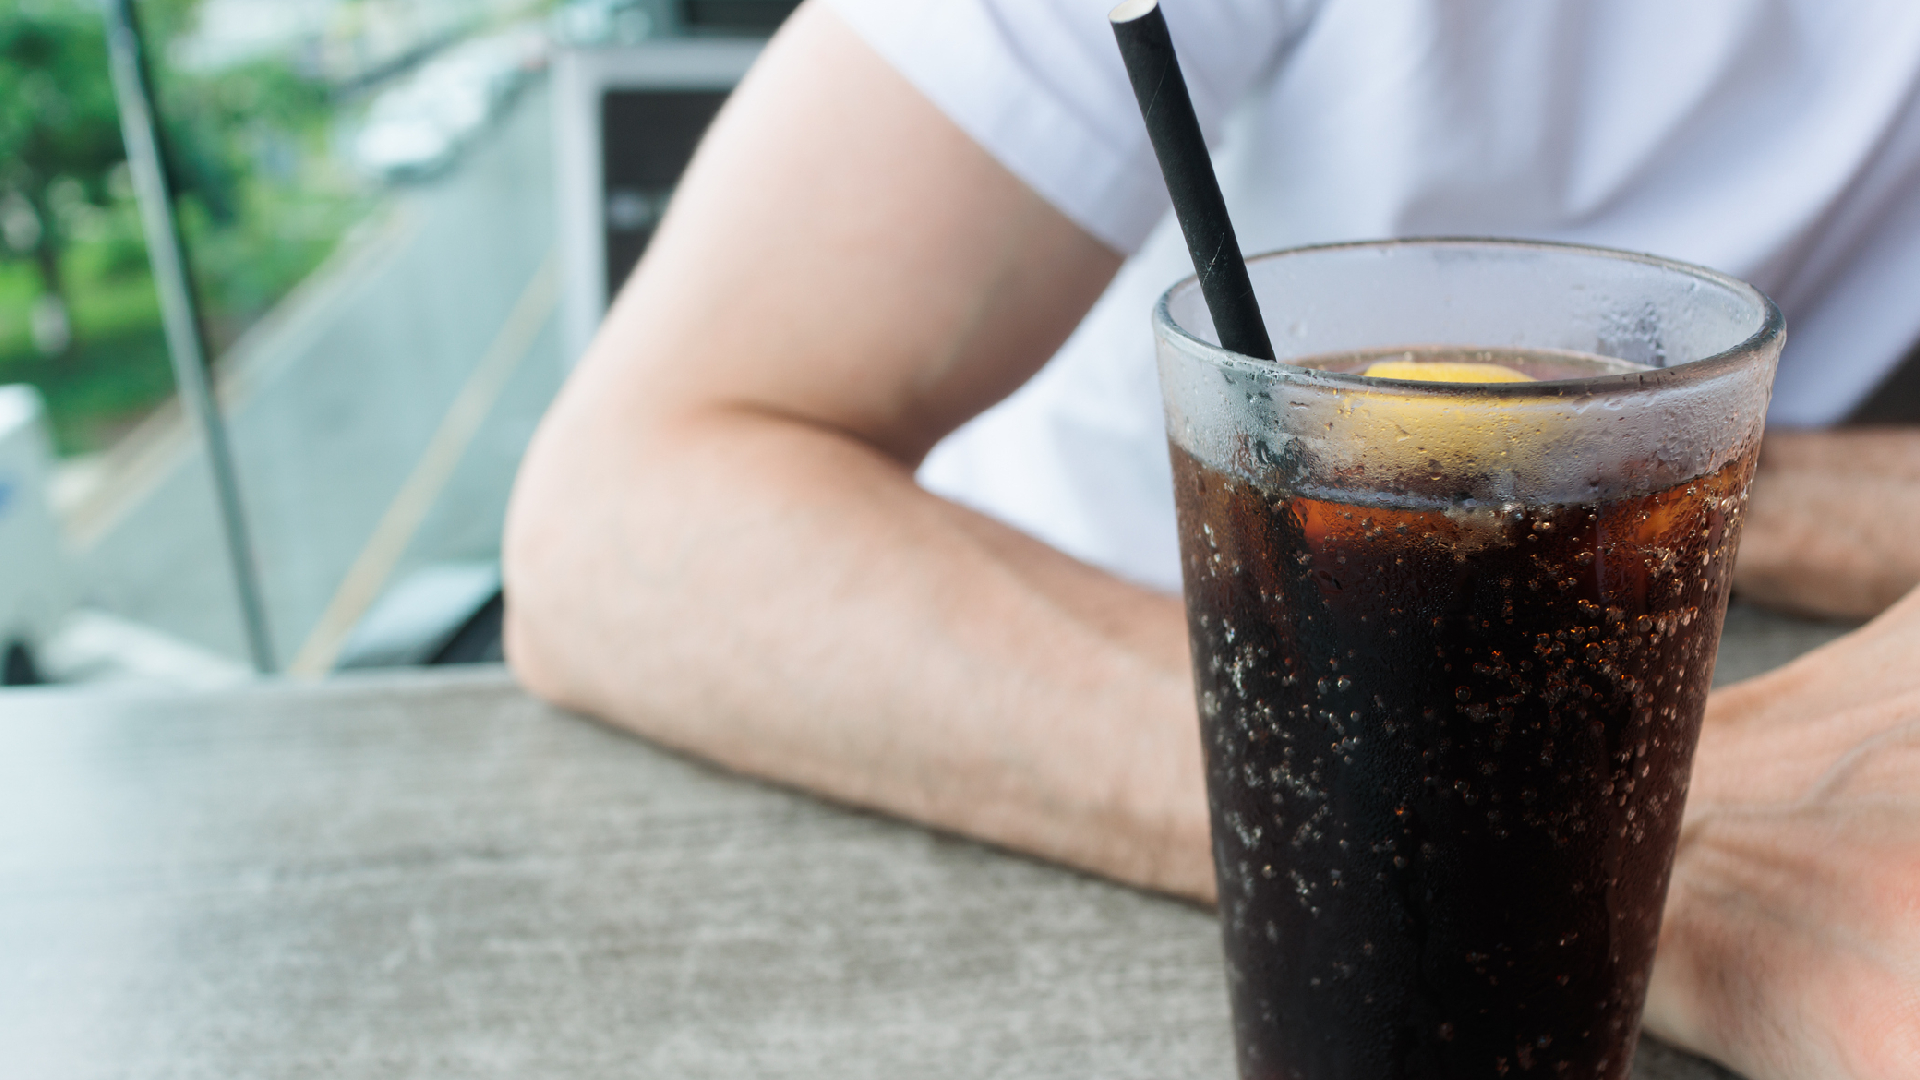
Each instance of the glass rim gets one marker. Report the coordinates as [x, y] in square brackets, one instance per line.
[1772, 327]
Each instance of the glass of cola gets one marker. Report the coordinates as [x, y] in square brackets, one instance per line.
[1455, 572]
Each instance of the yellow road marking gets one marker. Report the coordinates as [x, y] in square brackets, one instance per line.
[134, 468]
[368, 575]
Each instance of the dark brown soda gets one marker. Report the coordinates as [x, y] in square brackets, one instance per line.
[1447, 751]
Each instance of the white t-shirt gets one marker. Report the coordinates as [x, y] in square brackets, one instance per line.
[1776, 140]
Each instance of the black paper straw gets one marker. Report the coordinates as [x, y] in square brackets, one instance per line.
[1154, 70]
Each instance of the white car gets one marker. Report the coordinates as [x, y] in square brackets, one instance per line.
[407, 135]
[416, 128]
[603, 22]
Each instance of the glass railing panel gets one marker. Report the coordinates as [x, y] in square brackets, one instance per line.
[371, 197]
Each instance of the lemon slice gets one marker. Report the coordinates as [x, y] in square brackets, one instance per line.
[1444, 371]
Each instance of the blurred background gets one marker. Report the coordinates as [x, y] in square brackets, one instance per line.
[401, 219]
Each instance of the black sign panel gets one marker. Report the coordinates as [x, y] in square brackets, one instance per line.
[736, 16]
[646, 138]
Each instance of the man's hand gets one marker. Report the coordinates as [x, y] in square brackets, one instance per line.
[1833, 529]
[1791, 946]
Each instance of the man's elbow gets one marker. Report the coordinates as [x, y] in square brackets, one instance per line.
[534, 561]
[522, 648]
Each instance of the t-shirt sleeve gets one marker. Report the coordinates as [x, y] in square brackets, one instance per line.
[1040, 85]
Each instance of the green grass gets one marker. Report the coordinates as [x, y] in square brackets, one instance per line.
[118, 370]
[100, 388]
[284, 235]
[17, 288]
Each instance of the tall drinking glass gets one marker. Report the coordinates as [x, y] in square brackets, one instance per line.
[1452, 641]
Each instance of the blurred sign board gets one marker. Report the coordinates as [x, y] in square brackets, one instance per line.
[735, 16]
[626, 122]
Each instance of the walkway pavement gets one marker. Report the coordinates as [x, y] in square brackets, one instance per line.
[377, 420]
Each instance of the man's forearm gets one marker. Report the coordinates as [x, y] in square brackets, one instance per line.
[788, 603]
[1833, 526]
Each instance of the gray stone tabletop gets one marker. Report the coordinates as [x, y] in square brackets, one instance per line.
[431, 875]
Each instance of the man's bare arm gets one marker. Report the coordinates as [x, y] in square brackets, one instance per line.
[1833, 528]
[716, 539]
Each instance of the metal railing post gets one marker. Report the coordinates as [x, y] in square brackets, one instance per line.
[147, 157]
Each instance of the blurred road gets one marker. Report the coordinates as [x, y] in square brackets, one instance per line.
[390, 405]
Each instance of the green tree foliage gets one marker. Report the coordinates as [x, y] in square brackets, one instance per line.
[57, 123]
[218, 122]
[59, 127]
[261, 204]
[223, 127]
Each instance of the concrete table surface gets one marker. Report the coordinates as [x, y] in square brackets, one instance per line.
[432, 875]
